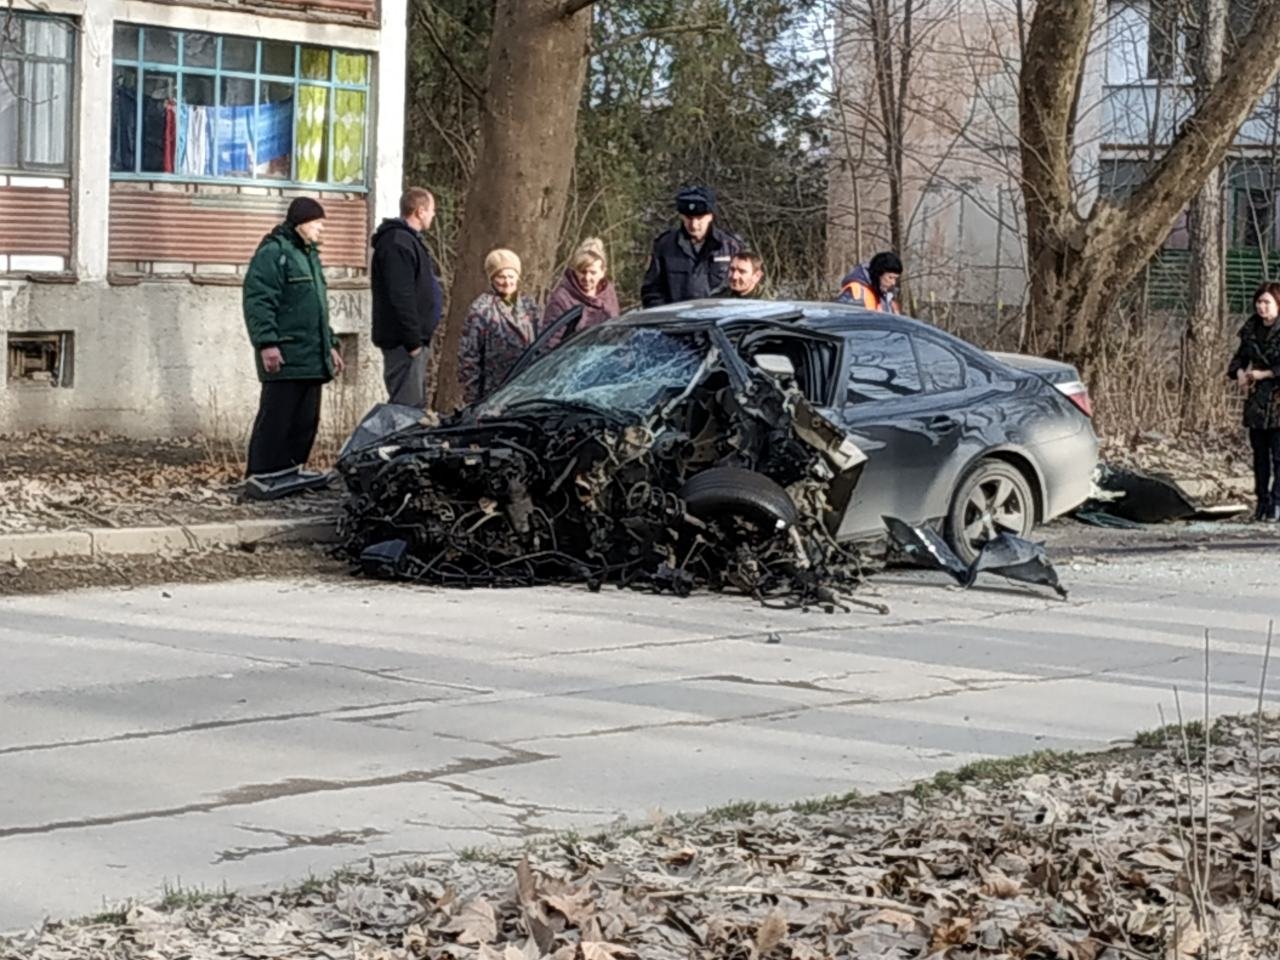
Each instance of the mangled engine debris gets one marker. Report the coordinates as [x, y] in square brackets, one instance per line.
[640, 456]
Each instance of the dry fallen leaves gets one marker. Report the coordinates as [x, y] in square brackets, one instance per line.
[477, 922]
[50, 482]
[1089, 864]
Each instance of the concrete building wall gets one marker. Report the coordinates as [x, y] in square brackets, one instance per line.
[164, 359]
[166, 354]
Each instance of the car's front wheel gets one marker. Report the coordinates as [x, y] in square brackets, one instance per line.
[993, 498]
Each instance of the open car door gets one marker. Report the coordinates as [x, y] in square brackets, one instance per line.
[544, 342]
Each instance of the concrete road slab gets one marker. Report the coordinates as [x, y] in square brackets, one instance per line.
[259, 732]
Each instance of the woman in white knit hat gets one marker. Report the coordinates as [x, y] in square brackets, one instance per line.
[499, 327]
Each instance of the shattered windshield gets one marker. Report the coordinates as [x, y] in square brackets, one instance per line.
[620, 369]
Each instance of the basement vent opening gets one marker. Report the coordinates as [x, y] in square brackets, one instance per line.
[41, 358]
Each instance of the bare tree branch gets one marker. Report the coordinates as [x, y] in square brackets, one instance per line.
[676, 30]
[572, 7]
[424, 19]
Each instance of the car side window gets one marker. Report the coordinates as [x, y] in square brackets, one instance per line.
[941, 368]
[882, 366]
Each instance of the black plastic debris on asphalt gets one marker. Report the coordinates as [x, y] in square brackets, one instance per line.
[283, 483]
[1007, 556]
[1128, 499]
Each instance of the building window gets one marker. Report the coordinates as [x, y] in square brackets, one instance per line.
[1254, 218]
[35, 93]
[1252, 189]
[195, 106]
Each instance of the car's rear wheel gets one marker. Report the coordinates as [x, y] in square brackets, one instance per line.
[993, 498]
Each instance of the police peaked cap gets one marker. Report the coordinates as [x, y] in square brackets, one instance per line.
[695, 201]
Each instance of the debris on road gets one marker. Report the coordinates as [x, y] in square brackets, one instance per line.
[1165, 852]
[1005, 555]
[288, 482]
[1216, 465]
[1124, 497]
[687, 470]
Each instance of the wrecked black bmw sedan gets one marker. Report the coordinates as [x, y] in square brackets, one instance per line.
[719, 444]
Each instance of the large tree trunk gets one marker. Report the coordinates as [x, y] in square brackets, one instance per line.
[1080, 264]
[1202, 346]
[524, 157]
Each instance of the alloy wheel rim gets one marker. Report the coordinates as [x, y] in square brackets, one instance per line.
[993, 507]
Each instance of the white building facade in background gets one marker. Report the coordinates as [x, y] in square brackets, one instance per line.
[145, 149]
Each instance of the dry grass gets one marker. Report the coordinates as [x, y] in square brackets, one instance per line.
[226, 444]
[1137, 388]
[1137, 382]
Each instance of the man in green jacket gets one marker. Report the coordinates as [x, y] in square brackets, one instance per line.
[286, 309]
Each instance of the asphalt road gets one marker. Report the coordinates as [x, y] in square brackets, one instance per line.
[251, 733]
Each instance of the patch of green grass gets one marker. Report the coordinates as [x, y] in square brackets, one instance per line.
[319, 885]
[483, 854]
[113, 918]
[1170, 736]
[739, 810]
[178, 897]
[312, 885]
[829, 804]
[998, 772]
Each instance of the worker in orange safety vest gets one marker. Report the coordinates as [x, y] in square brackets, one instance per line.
[873, 285]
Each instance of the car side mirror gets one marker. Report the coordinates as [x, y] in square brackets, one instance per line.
[777, 365]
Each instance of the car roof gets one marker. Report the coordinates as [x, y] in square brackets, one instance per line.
[825, 316]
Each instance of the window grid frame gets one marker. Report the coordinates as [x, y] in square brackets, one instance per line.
[22, 167]
[142, 67]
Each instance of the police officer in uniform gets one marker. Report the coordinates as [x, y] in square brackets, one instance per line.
[692, 260]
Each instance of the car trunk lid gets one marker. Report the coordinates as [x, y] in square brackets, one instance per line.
[1064, 377]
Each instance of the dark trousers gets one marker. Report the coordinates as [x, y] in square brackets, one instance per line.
[1266, 465]
[285, 428]
[405, 376]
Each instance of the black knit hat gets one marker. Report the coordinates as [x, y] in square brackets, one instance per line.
[882, 263]
[304, 210]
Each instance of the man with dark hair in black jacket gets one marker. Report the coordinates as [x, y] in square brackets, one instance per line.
[406, 297]
[690, 261]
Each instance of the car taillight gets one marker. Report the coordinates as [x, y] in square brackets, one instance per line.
[1077, 393]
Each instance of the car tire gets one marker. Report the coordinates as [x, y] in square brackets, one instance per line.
[722, 491]
[991, 498]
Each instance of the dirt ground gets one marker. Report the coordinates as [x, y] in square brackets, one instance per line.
[49, 576]
[52, 482]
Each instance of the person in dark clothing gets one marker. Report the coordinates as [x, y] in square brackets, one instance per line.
[746, 276]
[1256, 367]
[690, 261]
[406, 297]
[873, 285]
[286, 311]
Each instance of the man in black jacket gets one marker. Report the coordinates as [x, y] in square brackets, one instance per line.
[690, 261]
[406, 297]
